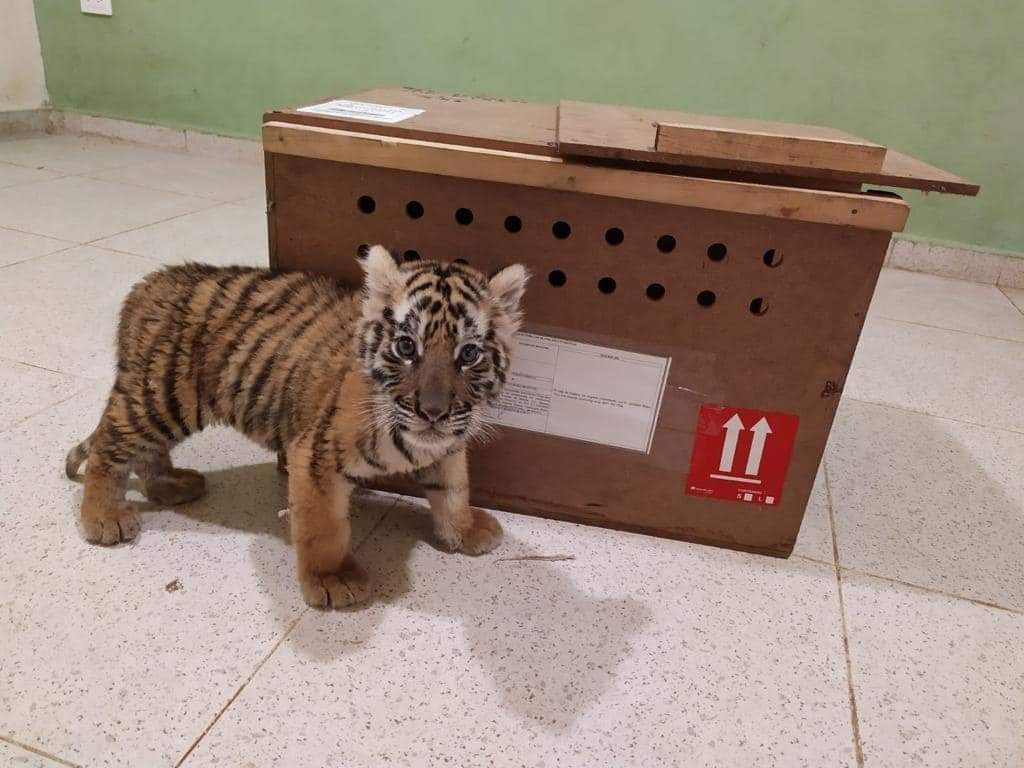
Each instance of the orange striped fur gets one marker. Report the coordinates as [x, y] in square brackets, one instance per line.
[345, 386]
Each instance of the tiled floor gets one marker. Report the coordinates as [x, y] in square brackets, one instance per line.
[192, 647]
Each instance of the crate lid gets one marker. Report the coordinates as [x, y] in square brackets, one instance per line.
[640, 138]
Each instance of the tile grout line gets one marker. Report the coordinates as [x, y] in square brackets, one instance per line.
[37, 751]
[92, 243]
[952, 330]
[5, 359]
[305, 610]
[933, 591]
[45, 408]
[854, 719]
[1002, 290]
[245, 682]
[903, 409]
[38, 255]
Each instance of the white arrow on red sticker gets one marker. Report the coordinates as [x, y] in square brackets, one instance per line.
[733, 427]
[761, 431]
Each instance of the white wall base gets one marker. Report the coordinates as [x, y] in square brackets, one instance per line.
[162, 137]
[961, 263]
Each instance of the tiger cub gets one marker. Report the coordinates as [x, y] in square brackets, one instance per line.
[347, 386]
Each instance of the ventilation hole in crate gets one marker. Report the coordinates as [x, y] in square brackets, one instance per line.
[366, 204]
[414, 209]
[557, 278]
[411, 255]
[759, 306]
[614, 236]
[464, 216]
[666, 243]
[655, 291]
[717, 251]
[606, 285]
[772, 257]
[513, 224]
[363, 250]
[706, 298]
[561, 229]
[461, 261]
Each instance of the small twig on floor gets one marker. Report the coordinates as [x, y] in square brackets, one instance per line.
[542, 558]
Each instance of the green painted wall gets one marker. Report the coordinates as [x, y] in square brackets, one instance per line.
[940, 79]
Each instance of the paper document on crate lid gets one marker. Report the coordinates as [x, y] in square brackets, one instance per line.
[362, 110]
[582, 391]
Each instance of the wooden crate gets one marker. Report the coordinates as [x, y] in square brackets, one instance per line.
[755, 291]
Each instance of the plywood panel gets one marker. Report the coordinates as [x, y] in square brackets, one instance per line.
[793, 358]
[690, 139]
[791, 147]
[556, 173]
[532, 128]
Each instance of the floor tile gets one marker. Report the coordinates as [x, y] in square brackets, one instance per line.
[122, 656]
[19, 246]
[639, 652]
[939, 682]
[13, 756]
[12, 175]
[70, 154]
[226, 234]
[60, 311]
[929, 501]
[1016, 295]
[256, 201]
[940, 372]
[192, 175]
[815, 538]
[225, 147]
[82, 209]
[946, 303]
[26, 390]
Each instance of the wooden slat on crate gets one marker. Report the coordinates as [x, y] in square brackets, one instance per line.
[558, 173]
[691, 139]
[631, 134]
[794, 146]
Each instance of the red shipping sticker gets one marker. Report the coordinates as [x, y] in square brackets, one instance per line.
[741, 454]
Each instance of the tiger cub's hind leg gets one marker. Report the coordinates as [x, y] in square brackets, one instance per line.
[165, 484]
[106, 516]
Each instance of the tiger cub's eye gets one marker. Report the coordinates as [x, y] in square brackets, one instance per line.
[469, 355]
[405, 348]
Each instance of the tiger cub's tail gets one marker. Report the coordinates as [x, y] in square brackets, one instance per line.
[76, 456]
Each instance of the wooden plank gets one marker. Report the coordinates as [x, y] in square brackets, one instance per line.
[558, 173]
[532, 128]
[449, 118]
[630, 134]
[803, 147]
[905, 171]
[709, 140]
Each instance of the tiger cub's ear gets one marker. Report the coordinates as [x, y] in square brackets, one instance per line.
[382, 275]
[507, 285]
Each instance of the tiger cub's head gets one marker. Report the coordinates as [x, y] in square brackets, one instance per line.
[435, 342]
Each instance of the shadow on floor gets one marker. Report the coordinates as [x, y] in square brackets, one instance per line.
[930, 502]
[550, 648]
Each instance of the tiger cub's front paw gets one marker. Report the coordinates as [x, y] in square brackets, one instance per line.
[347, 586]
[481, 536]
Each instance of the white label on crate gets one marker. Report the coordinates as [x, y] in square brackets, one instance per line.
[570, 389]
[363, 110]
